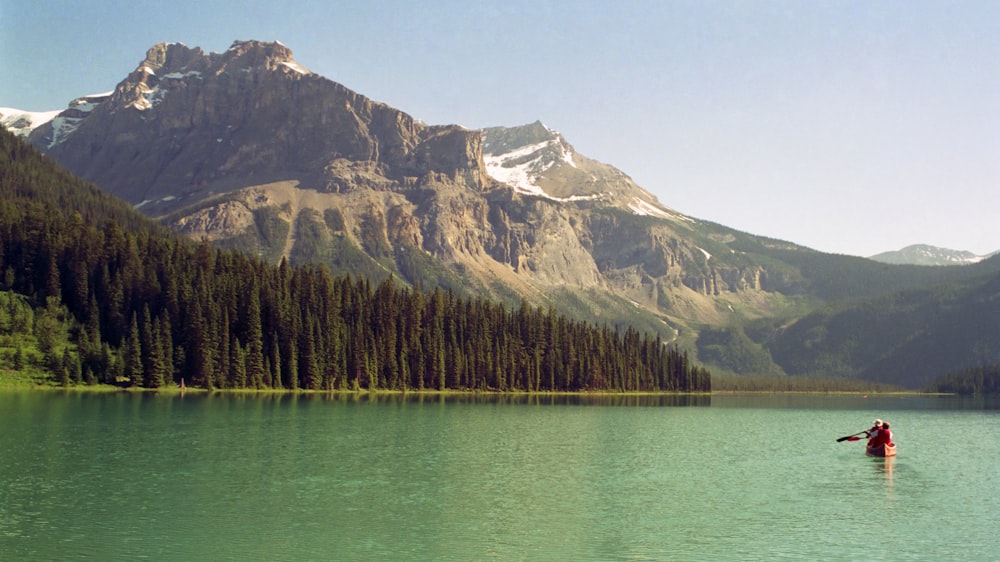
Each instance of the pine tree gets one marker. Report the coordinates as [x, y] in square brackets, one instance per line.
[238, 365]
[255, 340]
[18, 358]
[133, 354]
[275, 363]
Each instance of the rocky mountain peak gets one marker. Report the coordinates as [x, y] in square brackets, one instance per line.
[185, 125]
[260, 50]
[165, 58]
[500, 140]
[523, 157]
[167, 65]
[170, 57]
[164, 62]
[246, 55]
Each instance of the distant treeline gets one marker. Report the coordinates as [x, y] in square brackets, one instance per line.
[152, 309]
[975, 380]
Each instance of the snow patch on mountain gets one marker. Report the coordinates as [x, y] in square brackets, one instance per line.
[63, 121]
[567, 155]
[182, 75]
[520, 168]
[645, 208]
[88, 103]
[21, 122]
[152, 95]
[296, 67]
[67, 121]
[529, 157]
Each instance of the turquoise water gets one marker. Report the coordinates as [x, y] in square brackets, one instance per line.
[123, 476]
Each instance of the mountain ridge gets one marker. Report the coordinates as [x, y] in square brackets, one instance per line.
[925, 254]
[164, 107]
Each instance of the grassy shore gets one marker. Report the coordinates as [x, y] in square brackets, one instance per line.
[23, 379]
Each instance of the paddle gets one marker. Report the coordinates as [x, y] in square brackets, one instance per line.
[852, 437]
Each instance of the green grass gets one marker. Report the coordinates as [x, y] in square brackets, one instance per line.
[22, 379]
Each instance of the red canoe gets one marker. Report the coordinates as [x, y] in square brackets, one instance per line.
[881, 451]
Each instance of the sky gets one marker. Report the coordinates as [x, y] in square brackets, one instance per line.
[851, 127]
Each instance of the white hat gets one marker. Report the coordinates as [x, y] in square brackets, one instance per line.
[878, 422]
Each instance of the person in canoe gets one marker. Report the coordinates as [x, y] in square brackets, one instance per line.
[872, 433]
[883, 437]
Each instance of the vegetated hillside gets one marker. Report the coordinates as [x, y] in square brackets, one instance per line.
[907, 338]
[835, 277]
[29, 179]
[148, 309]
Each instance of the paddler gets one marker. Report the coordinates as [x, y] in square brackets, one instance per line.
[884, 437]
[872, 434]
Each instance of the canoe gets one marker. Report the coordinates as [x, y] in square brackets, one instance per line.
[881, 451]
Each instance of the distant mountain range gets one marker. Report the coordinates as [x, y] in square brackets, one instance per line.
[251, 150]
[922, 254]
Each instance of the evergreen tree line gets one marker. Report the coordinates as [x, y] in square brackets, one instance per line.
[974, 380]
[152, 310]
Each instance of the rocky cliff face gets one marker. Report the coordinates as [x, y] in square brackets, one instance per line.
[185, 125]
[252, 150]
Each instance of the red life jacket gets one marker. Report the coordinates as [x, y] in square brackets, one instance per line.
[884, 437]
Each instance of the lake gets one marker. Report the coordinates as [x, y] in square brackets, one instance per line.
[123, 476]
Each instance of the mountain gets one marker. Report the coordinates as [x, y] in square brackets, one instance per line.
[251, 150]
[922, 254]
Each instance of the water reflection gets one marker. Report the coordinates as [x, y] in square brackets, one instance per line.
[643, 400]
[723, 400]
[972, 402]
[884, 465]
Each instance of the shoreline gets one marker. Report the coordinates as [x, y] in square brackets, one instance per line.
[33, 386]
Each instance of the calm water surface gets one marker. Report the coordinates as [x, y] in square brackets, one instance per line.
[122, 476]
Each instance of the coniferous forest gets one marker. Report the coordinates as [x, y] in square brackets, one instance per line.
[973, 380]
[138, 306]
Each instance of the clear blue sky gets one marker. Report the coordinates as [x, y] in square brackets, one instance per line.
[847, 126]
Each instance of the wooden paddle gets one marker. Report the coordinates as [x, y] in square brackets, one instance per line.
[852, 437]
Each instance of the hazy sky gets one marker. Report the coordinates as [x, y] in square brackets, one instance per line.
[847, 126]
